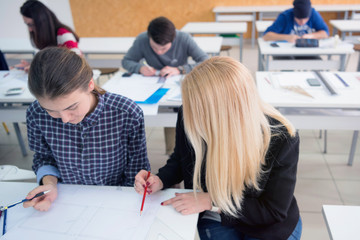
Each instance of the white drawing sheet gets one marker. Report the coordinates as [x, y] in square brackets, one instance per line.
[89, 213]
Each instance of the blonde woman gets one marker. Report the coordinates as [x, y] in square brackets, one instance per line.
[239, 155]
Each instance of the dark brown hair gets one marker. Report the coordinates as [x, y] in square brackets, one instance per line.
[58, 71]
[161, 30]
[45, 22]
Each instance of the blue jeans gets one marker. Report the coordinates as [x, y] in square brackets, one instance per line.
[210, 229]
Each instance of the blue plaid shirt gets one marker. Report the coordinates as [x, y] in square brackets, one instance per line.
[108, 147]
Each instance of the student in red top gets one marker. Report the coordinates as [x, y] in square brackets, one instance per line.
[45, 29]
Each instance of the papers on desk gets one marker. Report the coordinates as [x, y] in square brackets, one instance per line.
[136, 87]
[90, 213]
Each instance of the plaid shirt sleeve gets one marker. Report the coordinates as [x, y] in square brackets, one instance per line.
[137, 153]
[43, 162]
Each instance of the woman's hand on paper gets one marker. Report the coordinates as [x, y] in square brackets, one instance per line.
[43, 203]
[153, 183]
[186, 203]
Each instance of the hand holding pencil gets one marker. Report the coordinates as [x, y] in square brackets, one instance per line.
[152, 183]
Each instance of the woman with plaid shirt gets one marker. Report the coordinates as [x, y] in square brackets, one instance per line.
[80, 134]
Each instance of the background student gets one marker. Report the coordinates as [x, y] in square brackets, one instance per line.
[45, 29]
[80, 134]
[302, 21]
[164, 48]
[241, 154]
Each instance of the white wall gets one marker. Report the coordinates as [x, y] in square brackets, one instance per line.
[12, 24]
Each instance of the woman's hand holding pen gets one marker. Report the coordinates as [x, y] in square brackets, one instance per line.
[43, 203]
[23, 65]
[186, 203]
[153, 183]
[147, 70]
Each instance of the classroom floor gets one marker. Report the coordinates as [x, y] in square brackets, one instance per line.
[322, 178]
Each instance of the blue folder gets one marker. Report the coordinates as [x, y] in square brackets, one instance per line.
[155, 97]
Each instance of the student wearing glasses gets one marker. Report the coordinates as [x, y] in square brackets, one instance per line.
[46, 30]
[237, 153]
[79, 133]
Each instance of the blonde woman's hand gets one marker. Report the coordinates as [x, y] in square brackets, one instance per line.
[153, 183]
[186, 203]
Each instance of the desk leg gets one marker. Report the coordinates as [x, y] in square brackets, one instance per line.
[253, 30]
[20, 139]
[353, 148]
[241, 46]
[260, 60]
[267, 62]
[325, 141]
[358, 67]
[342, 62]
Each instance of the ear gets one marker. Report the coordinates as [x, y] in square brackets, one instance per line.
[91, 85]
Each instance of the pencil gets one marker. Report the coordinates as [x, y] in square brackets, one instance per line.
[24, 200]
[143, 200]
[4, 223]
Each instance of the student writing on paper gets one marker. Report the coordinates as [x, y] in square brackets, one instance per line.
[302, 21]
[79, 133]
[237, 151]
[45, 29]
[164, 48]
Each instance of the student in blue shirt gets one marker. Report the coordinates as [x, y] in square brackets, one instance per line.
[80, 134]
[302, 21]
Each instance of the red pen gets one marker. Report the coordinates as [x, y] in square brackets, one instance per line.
[143, 200]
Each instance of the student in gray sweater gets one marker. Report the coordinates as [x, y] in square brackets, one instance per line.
[164, 48]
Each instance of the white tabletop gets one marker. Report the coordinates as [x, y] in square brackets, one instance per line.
[346, 25]
[280, 8]
[342, 221]
[120, 45]
[215, 27]
[326, 46]
[274, 94]
[83, 203]
[16, 45]
[261, 26]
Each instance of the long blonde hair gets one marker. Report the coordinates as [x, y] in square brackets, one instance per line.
[226, 122]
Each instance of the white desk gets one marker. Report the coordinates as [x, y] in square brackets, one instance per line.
[13, 108]
[273, 10]
[323, 111]
[342, 221]
[261, 26]
[345, 26]
[16, 45]
[327, 47]
[161, 114]
[104, 206]
[217, 28]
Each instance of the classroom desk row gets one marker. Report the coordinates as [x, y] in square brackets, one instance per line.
[103, 46]
[249, 13]
[320, 110]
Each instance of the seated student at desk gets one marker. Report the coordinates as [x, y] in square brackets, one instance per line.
[164, 48]
[302, 21]
[45, 29]
[80, 134]
[239, 152]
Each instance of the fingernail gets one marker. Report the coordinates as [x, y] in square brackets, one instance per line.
[162, 203]
[147, 183]
[143, 186]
